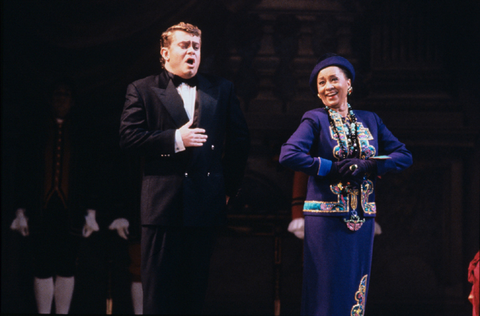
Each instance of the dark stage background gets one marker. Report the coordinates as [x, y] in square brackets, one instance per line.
[418, 68]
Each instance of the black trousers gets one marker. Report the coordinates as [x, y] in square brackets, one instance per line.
[54, 247]
[174, 268]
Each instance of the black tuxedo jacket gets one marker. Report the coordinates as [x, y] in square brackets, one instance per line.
[186, 188]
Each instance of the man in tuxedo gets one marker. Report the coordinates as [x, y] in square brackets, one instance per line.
[194, 141]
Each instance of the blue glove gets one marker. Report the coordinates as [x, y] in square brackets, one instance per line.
[334, 173]
[354, 167]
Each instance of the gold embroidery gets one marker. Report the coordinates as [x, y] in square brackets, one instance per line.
[366, 190]
[364, 135]
[344, 203]
[353, 201]
[322, 207]
[359, 308]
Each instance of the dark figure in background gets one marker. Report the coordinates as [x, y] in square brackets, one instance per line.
[102, 267]
[55, 205]
[193, 137]
[342, 151]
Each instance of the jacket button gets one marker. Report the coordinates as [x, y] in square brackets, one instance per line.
[208, 174]
[186, 174]
[213, 147]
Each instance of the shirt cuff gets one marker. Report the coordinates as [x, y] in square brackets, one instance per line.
[324, 167]
[179, 146]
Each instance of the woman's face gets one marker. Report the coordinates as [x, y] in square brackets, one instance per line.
[333, 85]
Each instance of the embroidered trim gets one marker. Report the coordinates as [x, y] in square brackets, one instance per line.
[344, 202]
[363, 135]
[370, 208]
[332, 207]
[341, 138]
[353, 201]
[340, 207]
[366, 190]
[359, 308]
[323, 207]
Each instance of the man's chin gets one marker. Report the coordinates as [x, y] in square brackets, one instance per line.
[189, 73]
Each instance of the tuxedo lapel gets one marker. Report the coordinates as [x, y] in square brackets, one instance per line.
[171, 100]
[206, 102]
[207, 98]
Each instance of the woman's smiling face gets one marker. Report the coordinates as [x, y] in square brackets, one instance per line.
[333, 85]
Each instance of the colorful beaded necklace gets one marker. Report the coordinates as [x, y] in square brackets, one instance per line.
[346, 130]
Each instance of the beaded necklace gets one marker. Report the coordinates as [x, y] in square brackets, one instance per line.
[346, 130]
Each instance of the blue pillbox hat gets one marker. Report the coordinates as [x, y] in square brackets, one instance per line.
[327, 62]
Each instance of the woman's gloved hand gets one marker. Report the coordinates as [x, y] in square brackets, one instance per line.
[354, 167]
[334, 173]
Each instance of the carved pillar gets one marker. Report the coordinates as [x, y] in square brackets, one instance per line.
[248, 41]
[285, 42]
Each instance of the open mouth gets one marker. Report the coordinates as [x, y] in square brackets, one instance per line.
[332, 94]
[190, 61]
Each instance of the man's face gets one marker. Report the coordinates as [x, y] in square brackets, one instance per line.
[61, 101]
[182, 58]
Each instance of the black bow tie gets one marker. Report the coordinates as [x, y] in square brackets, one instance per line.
[192, 82]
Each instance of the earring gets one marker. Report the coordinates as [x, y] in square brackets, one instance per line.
[350, 90]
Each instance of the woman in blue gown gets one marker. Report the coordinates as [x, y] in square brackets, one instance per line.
[343, 151]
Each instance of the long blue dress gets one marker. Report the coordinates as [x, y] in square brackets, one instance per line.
[337, 260]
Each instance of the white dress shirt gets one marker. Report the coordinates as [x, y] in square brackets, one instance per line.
[188, 95]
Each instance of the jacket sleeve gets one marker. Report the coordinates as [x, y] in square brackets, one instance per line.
[237, 145]
[294, 153]
[134, 132]
[401, 157]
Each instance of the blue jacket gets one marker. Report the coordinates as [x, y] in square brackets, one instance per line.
[314, 146]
